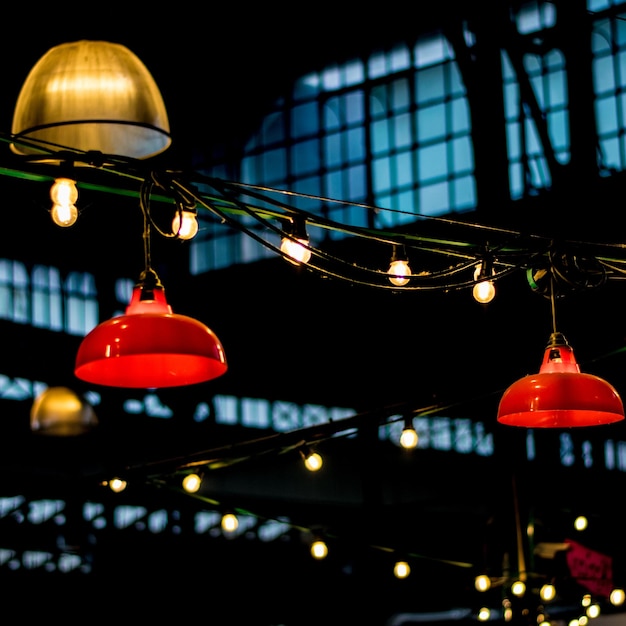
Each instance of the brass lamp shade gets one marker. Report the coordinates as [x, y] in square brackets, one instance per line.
[58, 411]
[91, 95]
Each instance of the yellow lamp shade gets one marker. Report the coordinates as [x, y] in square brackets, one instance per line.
[60, 412]
[91, 95]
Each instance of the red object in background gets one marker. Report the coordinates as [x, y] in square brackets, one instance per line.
[591, 569]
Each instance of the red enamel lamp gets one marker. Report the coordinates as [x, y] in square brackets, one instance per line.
[150, 347]
[560, 395]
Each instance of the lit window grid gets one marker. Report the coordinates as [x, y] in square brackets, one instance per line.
[609, 82]
[528, 171]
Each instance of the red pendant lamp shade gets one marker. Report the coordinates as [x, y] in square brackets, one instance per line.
[150, 347]
[560, 396]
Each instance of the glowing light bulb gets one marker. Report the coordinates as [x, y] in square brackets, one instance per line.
[593, 611]
[518, 588]
[117, 485]
[483, 291]
[617, 597]
[313, 461]
[230, 523]
[482, 583]
[401, 569]
[319, 550]
[191, 483]
[296, 251]
[484, 614]
[185, 224]
[64, 195]
[399, 272]
[408, 438]
[580, 523]
[547, 592]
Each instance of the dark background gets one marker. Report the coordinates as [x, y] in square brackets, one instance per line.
[220, 70]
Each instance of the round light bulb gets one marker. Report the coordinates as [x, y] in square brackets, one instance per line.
[484, 614]
[580, 523]
[319, 550]
[117, 485]
[518, 588]
[485, 290]
[64, 214]
[230, 523]
[185, 224]
[617, 597]
[313, 462]
[408, 438]
[296, 251]
[64, 195]
[191, 483]
[399, 273]
[482, 582]
[547, 592]
[401, 569]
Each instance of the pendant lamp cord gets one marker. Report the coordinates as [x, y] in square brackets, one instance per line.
[553, 304]
[148, 279]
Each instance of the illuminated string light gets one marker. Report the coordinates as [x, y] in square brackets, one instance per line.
[64, 196]
[409, 438]
[401, 569]
[229, 523]
[192, 483]
[117, 485]
[484, 290]
[312, 460]
[482, 583]
[319, 550]
[185, 223]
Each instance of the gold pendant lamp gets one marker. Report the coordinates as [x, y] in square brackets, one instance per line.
[90, 96]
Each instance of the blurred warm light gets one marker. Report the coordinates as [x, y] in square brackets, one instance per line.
[409, 437]
[580, 523]
[319, 550]
[586, 601]
[401, 569]
[230, 523]
[482, 582]
[593, 611]
[64, 195]
[617, 597]
[484, 614]
[117, 485]
[191, 483]
[58, 411]
[547, 592]
[312, 461]
[518, 588]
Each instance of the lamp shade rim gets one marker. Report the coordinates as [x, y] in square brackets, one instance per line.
[560, 399]
[149, 351]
